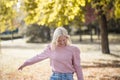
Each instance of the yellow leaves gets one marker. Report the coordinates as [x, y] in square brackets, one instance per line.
[31, 10]
[29, 20]
[82, 2]
[26, 1]
[9, 26]
[2, 27]
[59, 7]
[107, 7]
[117, 9]
[9, 4]
[71, 17]
[51, 18]
[89, 1]
[82, 18]
[43, 20]
[7, 14]
[117, 13]
[76, 10]
[54, 12]
[59, 23]
[36, 18]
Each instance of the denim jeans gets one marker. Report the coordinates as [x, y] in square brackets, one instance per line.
[61, 76]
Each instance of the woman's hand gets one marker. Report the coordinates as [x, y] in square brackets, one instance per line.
[21, 67]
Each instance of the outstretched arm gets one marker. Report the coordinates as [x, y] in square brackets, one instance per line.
[43, 55]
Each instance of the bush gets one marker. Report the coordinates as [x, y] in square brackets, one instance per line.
[37, 33]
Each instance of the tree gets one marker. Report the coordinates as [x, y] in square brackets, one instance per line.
[37, 33]
[102, 7]
[89, 19]
[63, 12]
[7, 15]
[52, 12]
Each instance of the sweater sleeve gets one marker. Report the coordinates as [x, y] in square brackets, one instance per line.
[76, 64]
[39, 57]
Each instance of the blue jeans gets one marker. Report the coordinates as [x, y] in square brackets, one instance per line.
[61, 76]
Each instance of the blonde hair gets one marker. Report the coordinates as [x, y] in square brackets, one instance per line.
[57, 33]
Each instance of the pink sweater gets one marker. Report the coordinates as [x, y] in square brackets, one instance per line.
[62, 59]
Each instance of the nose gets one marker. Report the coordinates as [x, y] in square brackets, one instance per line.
[62, 42]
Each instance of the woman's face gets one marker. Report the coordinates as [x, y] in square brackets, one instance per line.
[62, 41]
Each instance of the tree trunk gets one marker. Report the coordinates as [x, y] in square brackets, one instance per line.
[0, 43]
[80, 34]
[104, 34]
[48, 34]
[80, 37]
[91, 36]
[90, 29]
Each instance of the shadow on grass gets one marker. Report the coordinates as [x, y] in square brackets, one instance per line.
[104, 77]
[101, 63]
[20, 46]
[11, 38]
[99, 70]
[115, 55]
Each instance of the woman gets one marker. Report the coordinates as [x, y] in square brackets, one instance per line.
[64, 57]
